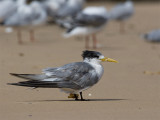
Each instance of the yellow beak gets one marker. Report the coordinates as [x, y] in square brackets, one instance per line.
[108, 60]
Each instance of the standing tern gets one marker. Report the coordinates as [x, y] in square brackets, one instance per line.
[87, 23]
[71, 78]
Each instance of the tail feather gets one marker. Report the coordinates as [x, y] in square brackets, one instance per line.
[45, 84]
[37, 80]
[30, 76]
[36, 84]
[68, 33]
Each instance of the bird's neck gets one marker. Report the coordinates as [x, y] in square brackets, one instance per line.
[96, 65]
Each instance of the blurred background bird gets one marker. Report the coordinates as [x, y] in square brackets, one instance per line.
[88, 23]
[153, 36]
[52, 7]
[60, 11]
[121, 12]
[7, 8]
[29, 13]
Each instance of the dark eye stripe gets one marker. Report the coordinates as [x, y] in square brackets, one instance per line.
[96, 56]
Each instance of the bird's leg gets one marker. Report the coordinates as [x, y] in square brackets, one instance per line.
[122, 27]
[87, 42]
[82, 97]
[94, 41]
[31, 32]
[19, 36]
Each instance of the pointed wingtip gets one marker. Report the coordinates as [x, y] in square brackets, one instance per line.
[11, 73]
[12, 83]
[14, 74]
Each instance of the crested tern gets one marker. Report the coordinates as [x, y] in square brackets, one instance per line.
[71, 78]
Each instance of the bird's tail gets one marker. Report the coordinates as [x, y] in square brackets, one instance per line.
[36, 84]
[30, 76]
[34, 80]
[68, 33]
[40, 80]
[44, 84]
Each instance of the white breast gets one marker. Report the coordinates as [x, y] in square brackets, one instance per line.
[99, 69]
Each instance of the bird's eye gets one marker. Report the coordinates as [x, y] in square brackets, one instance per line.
[96, 56]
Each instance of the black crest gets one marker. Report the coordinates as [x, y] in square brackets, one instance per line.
[91, 54]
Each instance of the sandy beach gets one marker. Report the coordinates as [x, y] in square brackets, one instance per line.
[128, 90]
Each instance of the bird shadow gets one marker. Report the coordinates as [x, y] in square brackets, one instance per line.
[87, 100]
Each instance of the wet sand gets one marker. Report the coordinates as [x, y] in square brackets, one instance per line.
[128, 90]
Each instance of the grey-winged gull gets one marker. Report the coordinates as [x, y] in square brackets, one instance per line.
[68, 11]
[29, 13]
[88, 22]
[122, 12]
[71, 78]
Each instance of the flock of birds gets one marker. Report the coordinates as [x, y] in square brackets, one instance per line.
[70, 14]
[75, 77]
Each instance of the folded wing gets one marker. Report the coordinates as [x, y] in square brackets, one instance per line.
[75, 76]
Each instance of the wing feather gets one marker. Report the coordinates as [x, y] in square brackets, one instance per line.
[76, 76]
[90, 20]
[79, 73]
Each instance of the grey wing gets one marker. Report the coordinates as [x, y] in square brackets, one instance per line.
[67, 11]
[18, 19]
[90, 20]
[12, 20]
[7, 8]
[80, 74]
[37, 16]
[121, 12]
